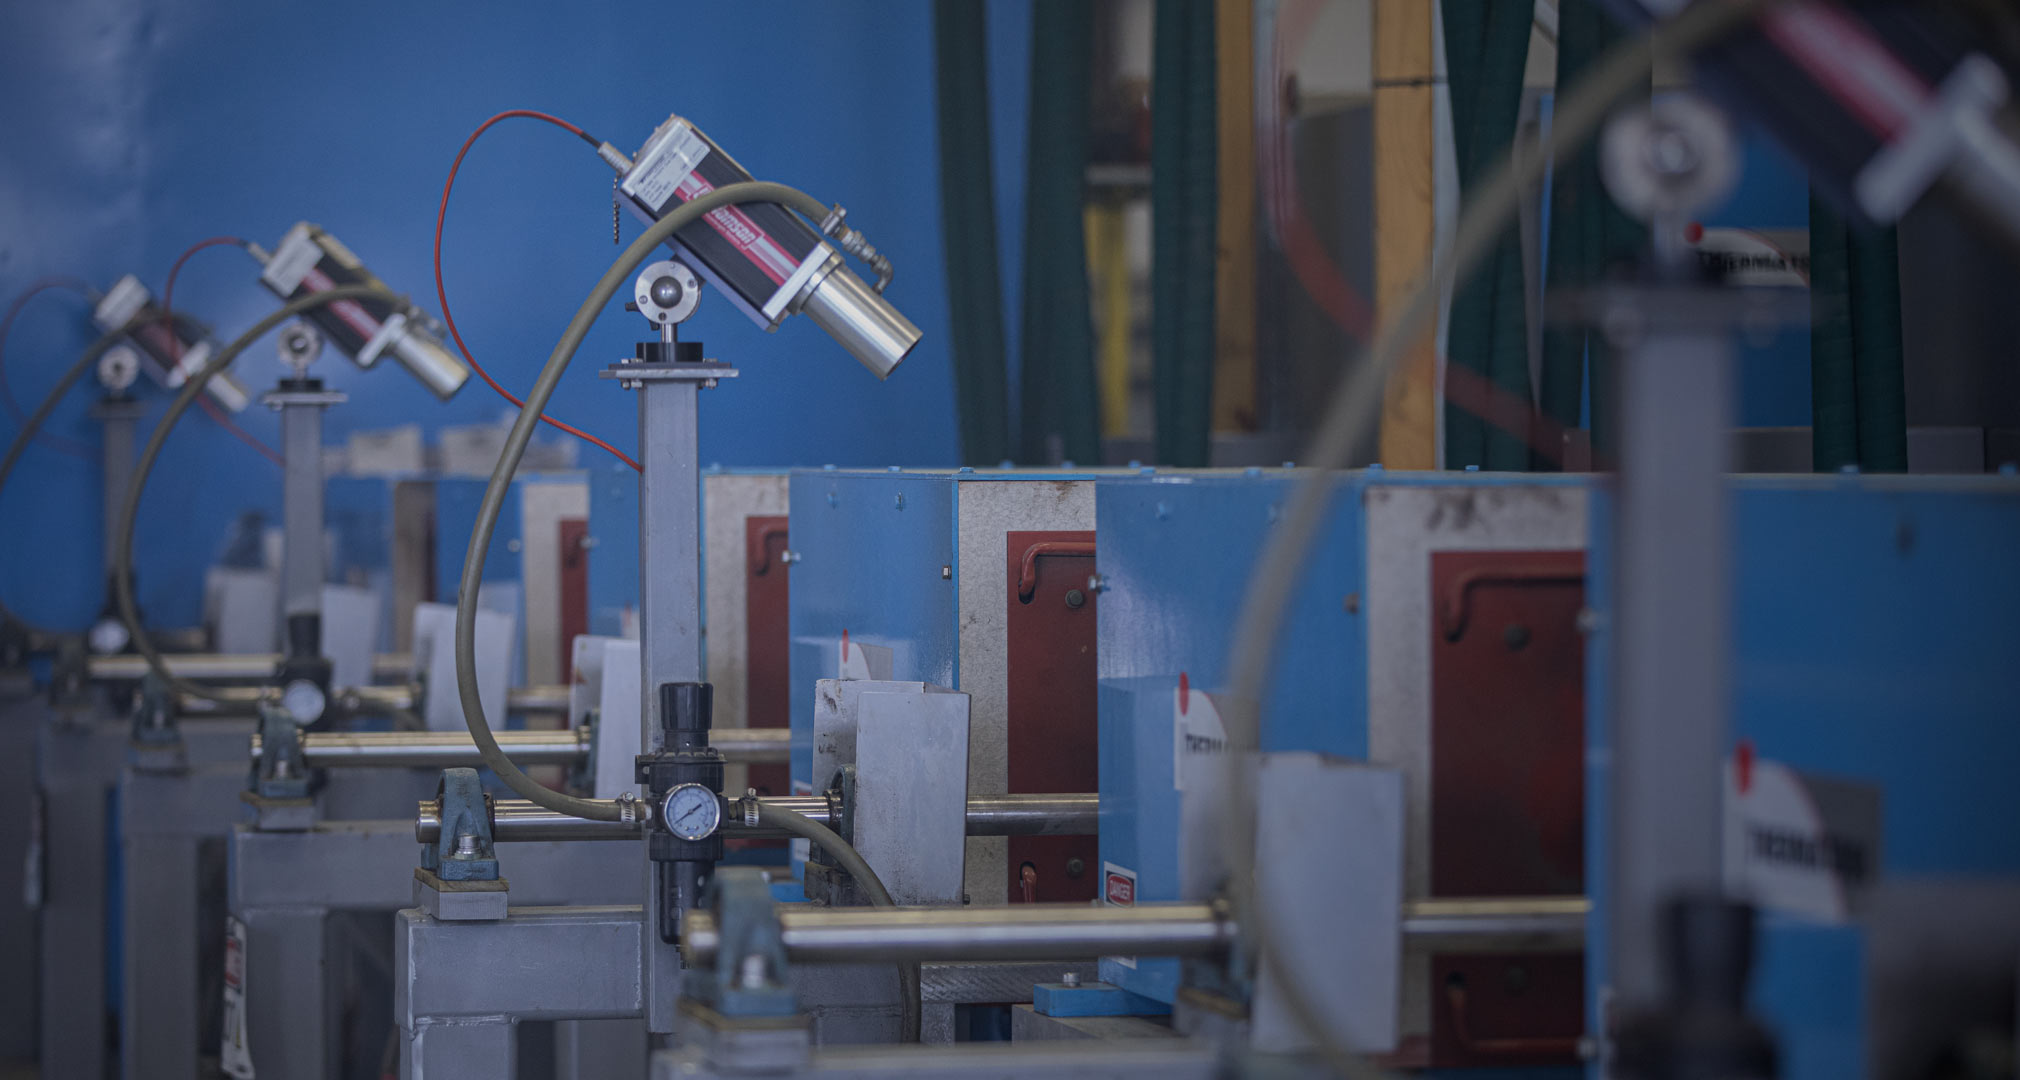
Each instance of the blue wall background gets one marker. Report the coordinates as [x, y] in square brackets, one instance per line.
[132, 129]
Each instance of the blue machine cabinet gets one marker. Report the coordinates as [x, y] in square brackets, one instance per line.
[1354, 662]
[1876, 625]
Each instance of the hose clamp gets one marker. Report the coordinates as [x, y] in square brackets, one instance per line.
[750, 807]
[627, 808]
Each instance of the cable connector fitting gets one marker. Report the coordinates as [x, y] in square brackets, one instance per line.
[855, 243]
[613, 157]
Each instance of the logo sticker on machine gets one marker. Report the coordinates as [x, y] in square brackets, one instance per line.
[1198, 738]
[234, 1057]
[1796, 842]
[1118, 889]
[654, 180]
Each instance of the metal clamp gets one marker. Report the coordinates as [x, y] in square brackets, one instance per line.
[463, 850]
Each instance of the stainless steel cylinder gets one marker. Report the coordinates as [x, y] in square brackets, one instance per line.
[1015, 932]
[861, 320]
[429, 361]
[1511, 924]
[229, 666]
[432, 749]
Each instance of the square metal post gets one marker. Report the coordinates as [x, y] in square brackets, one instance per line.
[288, 1014]
[1672, 679]
[669, 581]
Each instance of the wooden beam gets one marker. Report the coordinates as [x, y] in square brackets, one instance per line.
[1234, 360]
[1404, 144]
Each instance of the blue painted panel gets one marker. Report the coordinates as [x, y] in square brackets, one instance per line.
[613, 558]
[1810, 991]
[1093, 999]
[1176, 553]
[134, 141]
[1873, 640]
[1139, 812]
[871, 547]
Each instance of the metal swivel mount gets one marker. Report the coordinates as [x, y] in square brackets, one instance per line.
[279, 790]
[684, 780]
[304, 673]
[743, 1014]
[458, 878]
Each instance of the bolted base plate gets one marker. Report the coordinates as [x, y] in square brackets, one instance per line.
[460, 901]
[737, 1044]
[272, 814]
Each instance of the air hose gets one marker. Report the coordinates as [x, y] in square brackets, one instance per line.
[1353, 407]
[616, 277]
[778, 817]
[123, 532]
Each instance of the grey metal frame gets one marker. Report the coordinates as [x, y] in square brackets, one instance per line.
[284, 885]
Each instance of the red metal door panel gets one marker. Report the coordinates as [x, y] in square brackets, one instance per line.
[767, 640]
[1052, 725]
[574, 592]
[1507, 790]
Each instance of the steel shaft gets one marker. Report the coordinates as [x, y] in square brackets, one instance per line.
[988, 815]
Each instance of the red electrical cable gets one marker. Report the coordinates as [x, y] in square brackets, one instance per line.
[203, 401]
[442, 296]
[53, 440]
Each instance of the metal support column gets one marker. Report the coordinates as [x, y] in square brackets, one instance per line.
[117, 417]
[669, 575]
[302, 496]
[1673, 589]
[289, 1017]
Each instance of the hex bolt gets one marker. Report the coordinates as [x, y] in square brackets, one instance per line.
[466, 844]
[1075, 868]
[751, 972]
[1070, 978]
[1075, 598]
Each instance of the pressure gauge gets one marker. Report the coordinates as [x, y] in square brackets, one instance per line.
[691, 812]
[108, 636]
[304, 701]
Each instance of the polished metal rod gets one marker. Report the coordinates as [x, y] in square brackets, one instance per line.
[988, 815]
[1014, 932]
[453, 749]
[228, 666]
[1075, 931]
[433, 749]
[245, 700]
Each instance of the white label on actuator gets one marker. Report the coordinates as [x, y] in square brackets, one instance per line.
[120, 305]
[234, 1056]
[292, 261]
[652, 181]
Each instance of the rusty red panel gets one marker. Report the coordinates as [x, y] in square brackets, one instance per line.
[1052, 725]
[574, 591]
[1507, 789]
[1492, 1009]
[767, 640]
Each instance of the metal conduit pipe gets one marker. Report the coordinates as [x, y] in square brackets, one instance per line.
[231, 700]
[512, 820]
[130, 668]
[455, 749]
[1077, 931]
[1015, 932]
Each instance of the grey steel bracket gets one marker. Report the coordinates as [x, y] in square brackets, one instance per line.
[156, 740]
[631, 375]
[750, 978]
[458, 877]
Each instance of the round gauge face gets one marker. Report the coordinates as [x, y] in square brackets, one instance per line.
[304, 701]
[108, 636]
[692, 812]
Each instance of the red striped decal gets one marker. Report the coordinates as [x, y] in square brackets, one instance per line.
[756, 244]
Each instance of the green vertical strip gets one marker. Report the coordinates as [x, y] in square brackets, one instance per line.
[1184, 200]
[1061, 408]
[1588, 234]
[1875, 308]
[1486, 49]
[1834, 426]
[968, 227]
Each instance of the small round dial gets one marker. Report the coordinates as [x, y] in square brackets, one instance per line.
[304, 701]
[108, 636]
[691, 812]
